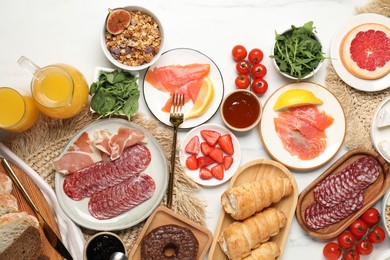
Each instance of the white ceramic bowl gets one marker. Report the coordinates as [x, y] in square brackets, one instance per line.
[118, 63]
[385, 201]
[292, 77]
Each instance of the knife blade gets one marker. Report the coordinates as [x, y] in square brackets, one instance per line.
[51, 236]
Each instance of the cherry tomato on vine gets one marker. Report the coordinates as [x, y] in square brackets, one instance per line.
[255, 56]
[351, 255]
[371, 216]
[258, 71]
[239, 52]
[243, 67]
[331, 251]
[377, 235]
[259, 86]
[364, 247]
[358, 228]
[242, 81]
[346, 240]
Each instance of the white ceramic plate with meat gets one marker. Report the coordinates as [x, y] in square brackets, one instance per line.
[156, 99]
[344, 74]
[380, 134]
[335, 133]
[194, 174]
[157, 169]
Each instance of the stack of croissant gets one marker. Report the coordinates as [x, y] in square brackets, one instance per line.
[255, 222]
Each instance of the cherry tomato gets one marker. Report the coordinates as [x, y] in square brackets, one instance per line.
[258, 71]
[377, 235]
[243, 67]
[242, 81]
[358, 228]
[351, 255]
[259, 86]
[364, 247]
[346, 240]
[332, 251]
[255, 56]
[371, 216]
[239, 52]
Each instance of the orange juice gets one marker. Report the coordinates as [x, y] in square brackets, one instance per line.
[17, 112]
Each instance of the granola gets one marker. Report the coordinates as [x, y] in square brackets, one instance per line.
[138, 44]
[388, 216]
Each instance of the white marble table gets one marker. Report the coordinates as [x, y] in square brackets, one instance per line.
[50, 31]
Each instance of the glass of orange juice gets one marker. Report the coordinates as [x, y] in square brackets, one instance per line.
[60, 90]
[17, 112]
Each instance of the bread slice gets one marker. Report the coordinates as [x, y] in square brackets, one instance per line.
[5, 184]
[8, 204]
[19, 236]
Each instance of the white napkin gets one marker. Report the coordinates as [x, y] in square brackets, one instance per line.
[72, 237]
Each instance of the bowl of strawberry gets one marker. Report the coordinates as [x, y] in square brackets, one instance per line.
[359, 239]
[210, 154]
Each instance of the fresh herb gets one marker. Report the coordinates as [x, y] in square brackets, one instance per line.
[297, 52]
[115, 93]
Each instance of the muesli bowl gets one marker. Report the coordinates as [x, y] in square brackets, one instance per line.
[385, 214]
[132, 37]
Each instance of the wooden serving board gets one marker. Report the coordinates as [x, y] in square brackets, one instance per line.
[41, 203]
[164, 216]
[254, 171]
[371, 194]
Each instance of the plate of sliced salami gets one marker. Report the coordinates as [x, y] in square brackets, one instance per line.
[111, 175]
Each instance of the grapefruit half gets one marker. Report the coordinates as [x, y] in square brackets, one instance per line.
[365, 51]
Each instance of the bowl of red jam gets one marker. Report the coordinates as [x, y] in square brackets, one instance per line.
[103, 245]
[241, 110]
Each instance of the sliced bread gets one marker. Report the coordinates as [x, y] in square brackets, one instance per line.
[5, 184]
[8, 204]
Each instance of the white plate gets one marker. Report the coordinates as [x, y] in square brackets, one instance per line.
[157, 169]
[344, 74]
[156, 99]
[335, 133]
[380, 134]
[194, 174]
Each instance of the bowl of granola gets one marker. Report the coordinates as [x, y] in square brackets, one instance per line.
[132, 37]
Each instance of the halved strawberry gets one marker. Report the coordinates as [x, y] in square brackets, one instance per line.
[192, 162]
[218, 172]
[216, 154]
[226, 143]
[206, 148]
[210, 136]
[227, 162]
[204, 161]
[193, 145]
[205, 173]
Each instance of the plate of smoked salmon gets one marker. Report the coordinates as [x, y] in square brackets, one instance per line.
[191, 73]
[303, 125]
[118, 178]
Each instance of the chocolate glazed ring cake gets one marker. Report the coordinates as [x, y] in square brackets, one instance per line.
[169, 242]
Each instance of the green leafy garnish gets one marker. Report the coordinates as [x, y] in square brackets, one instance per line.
[297, 52]
[115, 93]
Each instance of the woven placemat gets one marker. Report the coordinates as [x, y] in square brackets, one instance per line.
[42, 143]
[358, 105]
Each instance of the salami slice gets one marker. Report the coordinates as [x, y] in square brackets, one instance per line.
[347, 183]
[317, 216]
[102, 175]
[120, 198]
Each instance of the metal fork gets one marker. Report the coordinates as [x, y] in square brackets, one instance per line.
[176, 118]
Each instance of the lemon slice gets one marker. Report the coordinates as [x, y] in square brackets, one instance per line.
[203, 101]
[296, 97]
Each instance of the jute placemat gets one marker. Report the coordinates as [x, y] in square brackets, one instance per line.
[358, 105]
[39, 145]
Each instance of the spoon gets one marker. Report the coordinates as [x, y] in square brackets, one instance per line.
[118, 256]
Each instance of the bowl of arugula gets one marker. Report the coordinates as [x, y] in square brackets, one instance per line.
[115, 92]
[297, 52]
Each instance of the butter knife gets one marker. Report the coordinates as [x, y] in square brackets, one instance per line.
[51, 236]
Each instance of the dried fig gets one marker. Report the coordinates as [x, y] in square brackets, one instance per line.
[117, 21]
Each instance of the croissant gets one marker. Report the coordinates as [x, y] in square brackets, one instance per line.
[240, 237]
[243, 201]
[266, 251]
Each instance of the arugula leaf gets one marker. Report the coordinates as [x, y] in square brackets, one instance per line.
[115, 92]
[297, 52]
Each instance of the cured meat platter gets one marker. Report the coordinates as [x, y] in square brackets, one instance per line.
[43, 206]
[371, 194]
[252, 171]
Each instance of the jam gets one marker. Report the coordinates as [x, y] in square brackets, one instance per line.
[241, 109]
[103, 246]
